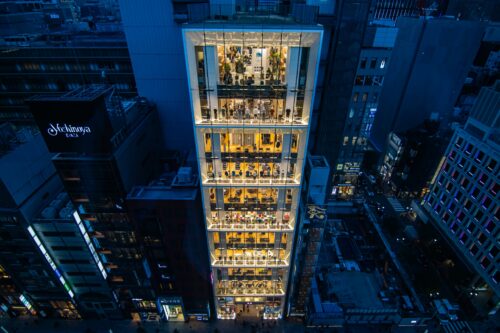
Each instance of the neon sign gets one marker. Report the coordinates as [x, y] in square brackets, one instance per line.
[68, 130]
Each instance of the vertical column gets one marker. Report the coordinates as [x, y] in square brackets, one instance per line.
[219, 198]
[285, 155]
[211, 78]
[216, 153]
[312, 64]
[292, 73]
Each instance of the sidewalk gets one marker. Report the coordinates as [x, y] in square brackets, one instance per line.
[28, 325]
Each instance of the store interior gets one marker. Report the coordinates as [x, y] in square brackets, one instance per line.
[252, 65]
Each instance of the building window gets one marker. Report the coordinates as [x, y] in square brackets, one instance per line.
[487, 202]
[382, 63]
[494, 252]
[362, 64]
[492, 164]
[482, 238]
[475, 193]
[378, 80]
[490, 226]
[373, 63]
[365, 97]
[360, 80]
[474, 249]
[453, 155]
[346, 140]
[485, 263]
[355, 97]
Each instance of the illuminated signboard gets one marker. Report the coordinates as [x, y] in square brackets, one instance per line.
[51, 262]
[73, 125]
[91, 247]
[27, 303]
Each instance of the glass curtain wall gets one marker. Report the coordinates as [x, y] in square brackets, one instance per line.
[251, 93]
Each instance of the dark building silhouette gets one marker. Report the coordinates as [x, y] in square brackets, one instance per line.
[106, 145]
[168, 219]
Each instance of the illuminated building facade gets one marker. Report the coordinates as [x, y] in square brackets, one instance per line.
[251, 90]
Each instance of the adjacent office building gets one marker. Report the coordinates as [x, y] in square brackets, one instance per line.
[168, 218]
[252, 90]
[105, 145]
[310, 229]
[59, 232]
[31, 280]
[52, 63]
[463, 201]
[374, 60]
[426, 73]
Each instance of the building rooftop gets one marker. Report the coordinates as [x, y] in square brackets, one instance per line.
[61, 208]
[486, 109]
[250, 14]
[318, 161]
[182, 185]
[65, 38]
[346, 286]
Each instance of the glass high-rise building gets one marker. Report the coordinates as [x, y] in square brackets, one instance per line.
[251, 89]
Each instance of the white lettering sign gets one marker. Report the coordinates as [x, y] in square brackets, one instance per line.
[68, 130]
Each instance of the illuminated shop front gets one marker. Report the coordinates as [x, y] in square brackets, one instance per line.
[171, 308]
[251, 95]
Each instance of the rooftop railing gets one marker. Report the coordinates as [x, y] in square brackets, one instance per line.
[246, 13]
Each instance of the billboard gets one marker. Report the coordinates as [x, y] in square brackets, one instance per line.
[73, 125]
